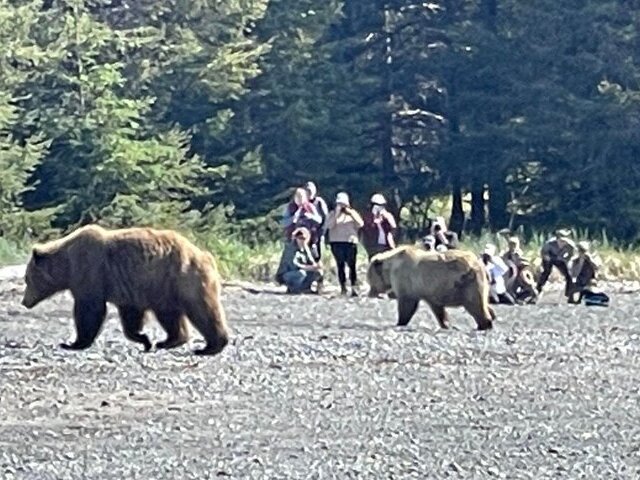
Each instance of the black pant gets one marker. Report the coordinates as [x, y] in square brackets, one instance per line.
[562, 266]
[345, 254]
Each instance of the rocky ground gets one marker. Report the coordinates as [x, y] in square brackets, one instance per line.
[325, 387]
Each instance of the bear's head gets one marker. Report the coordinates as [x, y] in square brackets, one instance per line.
[378, 275]
[45, 276]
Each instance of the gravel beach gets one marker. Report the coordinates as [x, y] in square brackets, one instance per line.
[325, 387]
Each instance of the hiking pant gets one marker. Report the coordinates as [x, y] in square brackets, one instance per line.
[346, 254]
[298, 281]
[562, 266]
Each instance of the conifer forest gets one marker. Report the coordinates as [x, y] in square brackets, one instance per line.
[206, 113]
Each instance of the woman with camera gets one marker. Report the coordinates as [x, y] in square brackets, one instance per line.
[343, 224]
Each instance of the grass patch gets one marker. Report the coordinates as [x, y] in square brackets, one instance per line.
[239, 260]
[12, 252]
[618, 263]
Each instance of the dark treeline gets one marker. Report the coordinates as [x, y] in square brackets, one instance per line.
[140, 111]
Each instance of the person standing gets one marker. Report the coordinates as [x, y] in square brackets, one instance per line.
[379, 227]
[300, 212]
[557, 252]
[343, 224]
[322, 209]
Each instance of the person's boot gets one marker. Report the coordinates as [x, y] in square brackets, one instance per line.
[343, 289]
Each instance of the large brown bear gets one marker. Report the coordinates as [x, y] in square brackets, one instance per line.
[442, 279]
[136, 269]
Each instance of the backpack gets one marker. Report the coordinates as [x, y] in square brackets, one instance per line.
[598, 299]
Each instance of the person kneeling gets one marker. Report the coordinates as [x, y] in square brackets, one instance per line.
[585, 269]
[496, 269]
[300, 271]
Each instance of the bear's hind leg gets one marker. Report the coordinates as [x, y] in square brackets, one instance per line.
[89, 316]
[132, 320]
[406, 309]
[208, 317]
[173, 322]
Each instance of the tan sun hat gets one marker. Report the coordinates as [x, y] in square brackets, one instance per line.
[584, 246]
[489, 249]
[304, 231]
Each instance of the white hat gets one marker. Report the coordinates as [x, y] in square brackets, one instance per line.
[489, 249]
[342, 198]
[378, 199]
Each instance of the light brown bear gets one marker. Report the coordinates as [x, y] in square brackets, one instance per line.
[136, 269]
[442, 279]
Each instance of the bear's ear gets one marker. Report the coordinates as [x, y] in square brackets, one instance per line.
[38, 255]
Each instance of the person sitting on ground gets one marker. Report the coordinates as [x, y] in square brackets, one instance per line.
[429, 242]
[584, 269]
[343, 224]
[379, 227]
[300, 212]
[299, 270]
[496, 270]
[557, 252]
[520, 283]
[442, 235]
[513, 259]
[323, 211]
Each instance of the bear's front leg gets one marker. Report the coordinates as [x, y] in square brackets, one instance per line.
[406, 309]
[174, 323]
[89, 316]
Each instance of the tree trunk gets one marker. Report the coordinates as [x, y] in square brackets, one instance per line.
[498, 199]
[489, 9]
[386, 142]
[456, 221]
[477, 221]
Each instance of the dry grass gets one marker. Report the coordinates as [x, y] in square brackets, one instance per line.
[238, 260]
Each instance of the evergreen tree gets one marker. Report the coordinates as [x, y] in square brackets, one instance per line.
[20, 152]
[115, 153]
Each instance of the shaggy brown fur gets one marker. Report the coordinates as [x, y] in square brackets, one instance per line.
[447, 279]
[136, 269]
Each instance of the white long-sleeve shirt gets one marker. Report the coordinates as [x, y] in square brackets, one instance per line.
[496, 269]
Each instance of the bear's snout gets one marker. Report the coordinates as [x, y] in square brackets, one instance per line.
[27, 302]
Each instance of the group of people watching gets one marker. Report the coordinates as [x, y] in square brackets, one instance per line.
[512, 280]
[309, 225]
